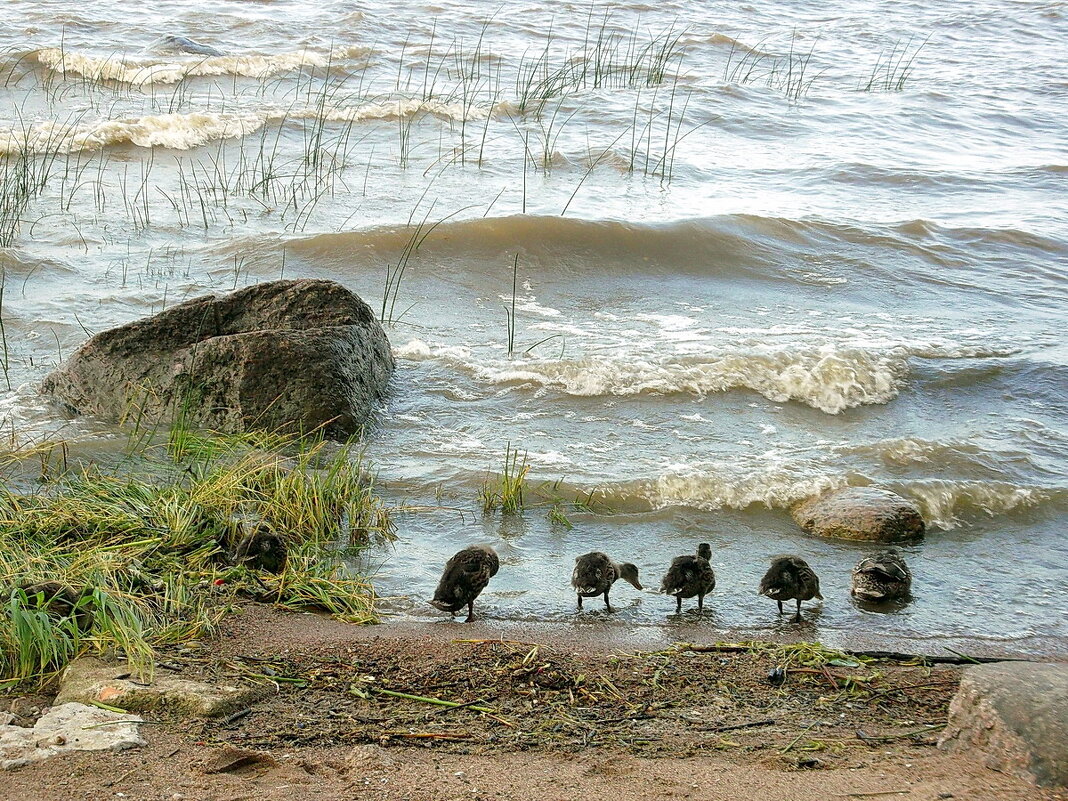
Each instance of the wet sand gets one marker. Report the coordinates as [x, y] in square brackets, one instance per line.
[578, 715]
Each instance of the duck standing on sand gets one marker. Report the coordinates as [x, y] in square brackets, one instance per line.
[689, 576]
[595, 573]
[882, 577]
[790, 577]
[465, 576]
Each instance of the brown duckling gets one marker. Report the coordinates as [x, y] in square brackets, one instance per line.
[595, 574]
[262, 548]
[61, 601]
[790, 578]
[689, 576]
[882, 577]
[465, 576]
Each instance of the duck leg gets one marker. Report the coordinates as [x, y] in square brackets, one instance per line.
[470, 611]
[678, 604]
[700, 601]
[797, 618]
[580, 601]
[607, 605]
[780, 606]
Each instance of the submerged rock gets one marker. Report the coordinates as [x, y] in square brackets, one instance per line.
[1014, 715]
[861, 513]
[88, 680]
[67, 727]
[284, 356]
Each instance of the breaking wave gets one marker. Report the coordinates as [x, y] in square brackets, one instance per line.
[176, 131]
[190, 130]
[944, 504]
[142, 71]
[830, 378]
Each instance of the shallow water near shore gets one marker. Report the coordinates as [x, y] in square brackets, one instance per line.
[695, 262]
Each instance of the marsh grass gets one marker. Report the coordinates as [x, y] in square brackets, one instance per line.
[145, 544]
[506, 491]
[788, 73]
[893, 67]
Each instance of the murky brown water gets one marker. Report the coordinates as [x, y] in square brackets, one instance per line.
[760, 253]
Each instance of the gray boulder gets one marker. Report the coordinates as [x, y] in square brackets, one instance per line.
[868, 514]
[1014, 715]
[285, 356]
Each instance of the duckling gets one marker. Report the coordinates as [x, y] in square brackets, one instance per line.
[262, 548]
[466, 575]
[689, 576]
[595, 573]
[790, 577]
[883, 577]
[61, 600]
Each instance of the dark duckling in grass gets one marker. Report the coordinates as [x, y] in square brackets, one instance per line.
[882, 577]
[689, 576]
[262, 548]
[466, 575]
[790, 578]
[595, 574]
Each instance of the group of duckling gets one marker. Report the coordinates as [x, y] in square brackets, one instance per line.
[876, 579]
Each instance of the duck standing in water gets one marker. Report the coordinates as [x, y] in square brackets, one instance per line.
[689, 576]
[882, 577]
[595, 574]
[790, 578]
[465, 576]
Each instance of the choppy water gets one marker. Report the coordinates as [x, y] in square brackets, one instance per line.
[761, 252]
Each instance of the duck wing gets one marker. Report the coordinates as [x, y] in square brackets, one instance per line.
[688, 574]
[466, 574]
[887, 565]
[594, 573]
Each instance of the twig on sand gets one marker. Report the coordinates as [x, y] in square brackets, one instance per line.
[750, 725]
[429, 735]
[861, 734]
[441, 702]
[424, 699]
[469, 704]
[872, 795]
[797, 739]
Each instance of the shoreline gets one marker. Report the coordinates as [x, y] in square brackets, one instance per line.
[600, 636]
[561, 719]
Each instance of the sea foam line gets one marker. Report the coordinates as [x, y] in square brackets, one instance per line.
[142, 71]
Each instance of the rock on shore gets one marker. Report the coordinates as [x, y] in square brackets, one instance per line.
[288, 356]
[861, 513]
[1014, 715]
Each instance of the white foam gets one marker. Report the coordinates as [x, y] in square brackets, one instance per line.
[141, 71]
[176, 131]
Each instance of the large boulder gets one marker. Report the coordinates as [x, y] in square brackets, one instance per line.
[286, 356]
[868, 514]
[1014, 716]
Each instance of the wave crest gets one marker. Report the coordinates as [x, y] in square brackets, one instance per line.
[176, 131]
[142, 71]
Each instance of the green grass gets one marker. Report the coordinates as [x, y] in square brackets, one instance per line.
[506, 490]
[144, 546]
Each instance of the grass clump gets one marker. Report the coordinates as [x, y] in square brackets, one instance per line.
[505, 491]
[130, 557]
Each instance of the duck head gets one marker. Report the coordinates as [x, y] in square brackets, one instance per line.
[629, 573]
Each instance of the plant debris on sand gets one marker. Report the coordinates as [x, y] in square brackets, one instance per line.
[487, 696]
